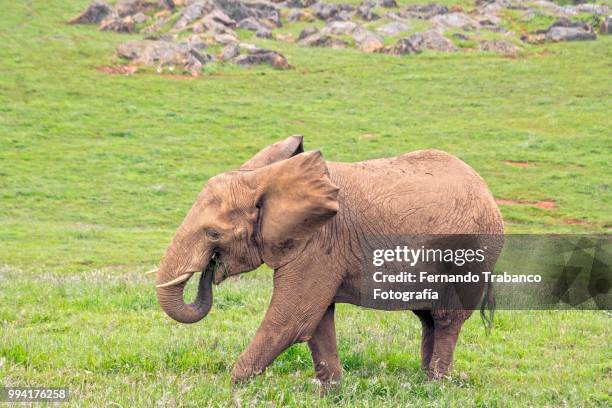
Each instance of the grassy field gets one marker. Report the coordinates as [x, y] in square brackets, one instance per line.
[97, 171]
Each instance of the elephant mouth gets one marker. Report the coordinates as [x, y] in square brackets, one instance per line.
[218, 269]
[214, 267]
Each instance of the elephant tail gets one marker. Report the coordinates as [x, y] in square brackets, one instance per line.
[487, 308]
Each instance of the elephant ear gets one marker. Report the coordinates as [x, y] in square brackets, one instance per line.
[295, 198]
[276, 152]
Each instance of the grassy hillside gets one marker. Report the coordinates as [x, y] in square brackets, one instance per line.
[97, 171]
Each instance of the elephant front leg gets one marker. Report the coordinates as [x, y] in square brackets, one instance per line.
[299, 303]
[324, 351]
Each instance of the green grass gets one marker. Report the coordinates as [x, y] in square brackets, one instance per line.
[97, 171]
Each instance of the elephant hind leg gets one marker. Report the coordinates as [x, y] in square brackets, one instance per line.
[447, 325]
[427, 337]
[324, 351]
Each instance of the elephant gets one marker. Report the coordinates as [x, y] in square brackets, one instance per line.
[303, 217]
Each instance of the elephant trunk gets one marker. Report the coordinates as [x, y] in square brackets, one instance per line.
[170, 296]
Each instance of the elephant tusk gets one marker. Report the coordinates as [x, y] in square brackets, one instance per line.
[176, 281]
[151, 272]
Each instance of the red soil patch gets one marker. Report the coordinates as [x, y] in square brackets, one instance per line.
[573, 221]
[516, 163]
[546, 205]
[118, 69]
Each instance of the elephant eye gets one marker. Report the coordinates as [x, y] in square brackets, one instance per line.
[213, 235]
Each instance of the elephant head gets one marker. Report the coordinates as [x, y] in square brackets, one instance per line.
[264, 212]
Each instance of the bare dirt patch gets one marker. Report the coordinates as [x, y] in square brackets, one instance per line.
[545, 205]
[118, 69]
[573, 221]
[516, 163]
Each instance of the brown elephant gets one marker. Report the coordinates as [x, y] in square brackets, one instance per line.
[304, 217]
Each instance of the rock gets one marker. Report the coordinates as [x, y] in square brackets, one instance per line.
[263, 33]
[392, 29]
[487, 20]
[191, 13]
[118, 24]
[366, 40]
[566, 22]
[195, 42]
[343, 15]
[130, 7]
[569, 34]
[402, 47]
[606, 26]
[299, 15]
[140, 18]
[167, 4]
[259, 9]
[388, 3]
[339, 27]
[93, 14]
[431, 40]
[147, 52]
[366, 13]
[229, 51]
[323, 40]
[196, 61]
[262, 56]
[307, 32]
[225, 38]
[216, 17]
[454, 20]
[156, 26]
[300, 3]
[251, 24]
[424, 12]
[325, 11]
[500, 47]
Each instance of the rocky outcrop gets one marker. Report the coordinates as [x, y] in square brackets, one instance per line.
[93, 14]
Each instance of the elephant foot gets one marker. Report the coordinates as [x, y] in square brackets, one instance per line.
[438, 372]
[241, 374]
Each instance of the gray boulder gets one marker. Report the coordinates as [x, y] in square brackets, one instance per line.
[424, 11]
[325, 11]
[499, 47]
[259, 9]
[367, 13]
[569, 34]
[307, 32]
[191, 13]
[147, 52]
[366, 40]
[118, 24]
[392, 29]
[131, 7]
[93, 14]
[402, 47]
[387, 3]
[262, 56]
[339, 27]
[229, 51]
[431, 40]
[300, 3]
[251, 24]
[454, 20]
[299, 15]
